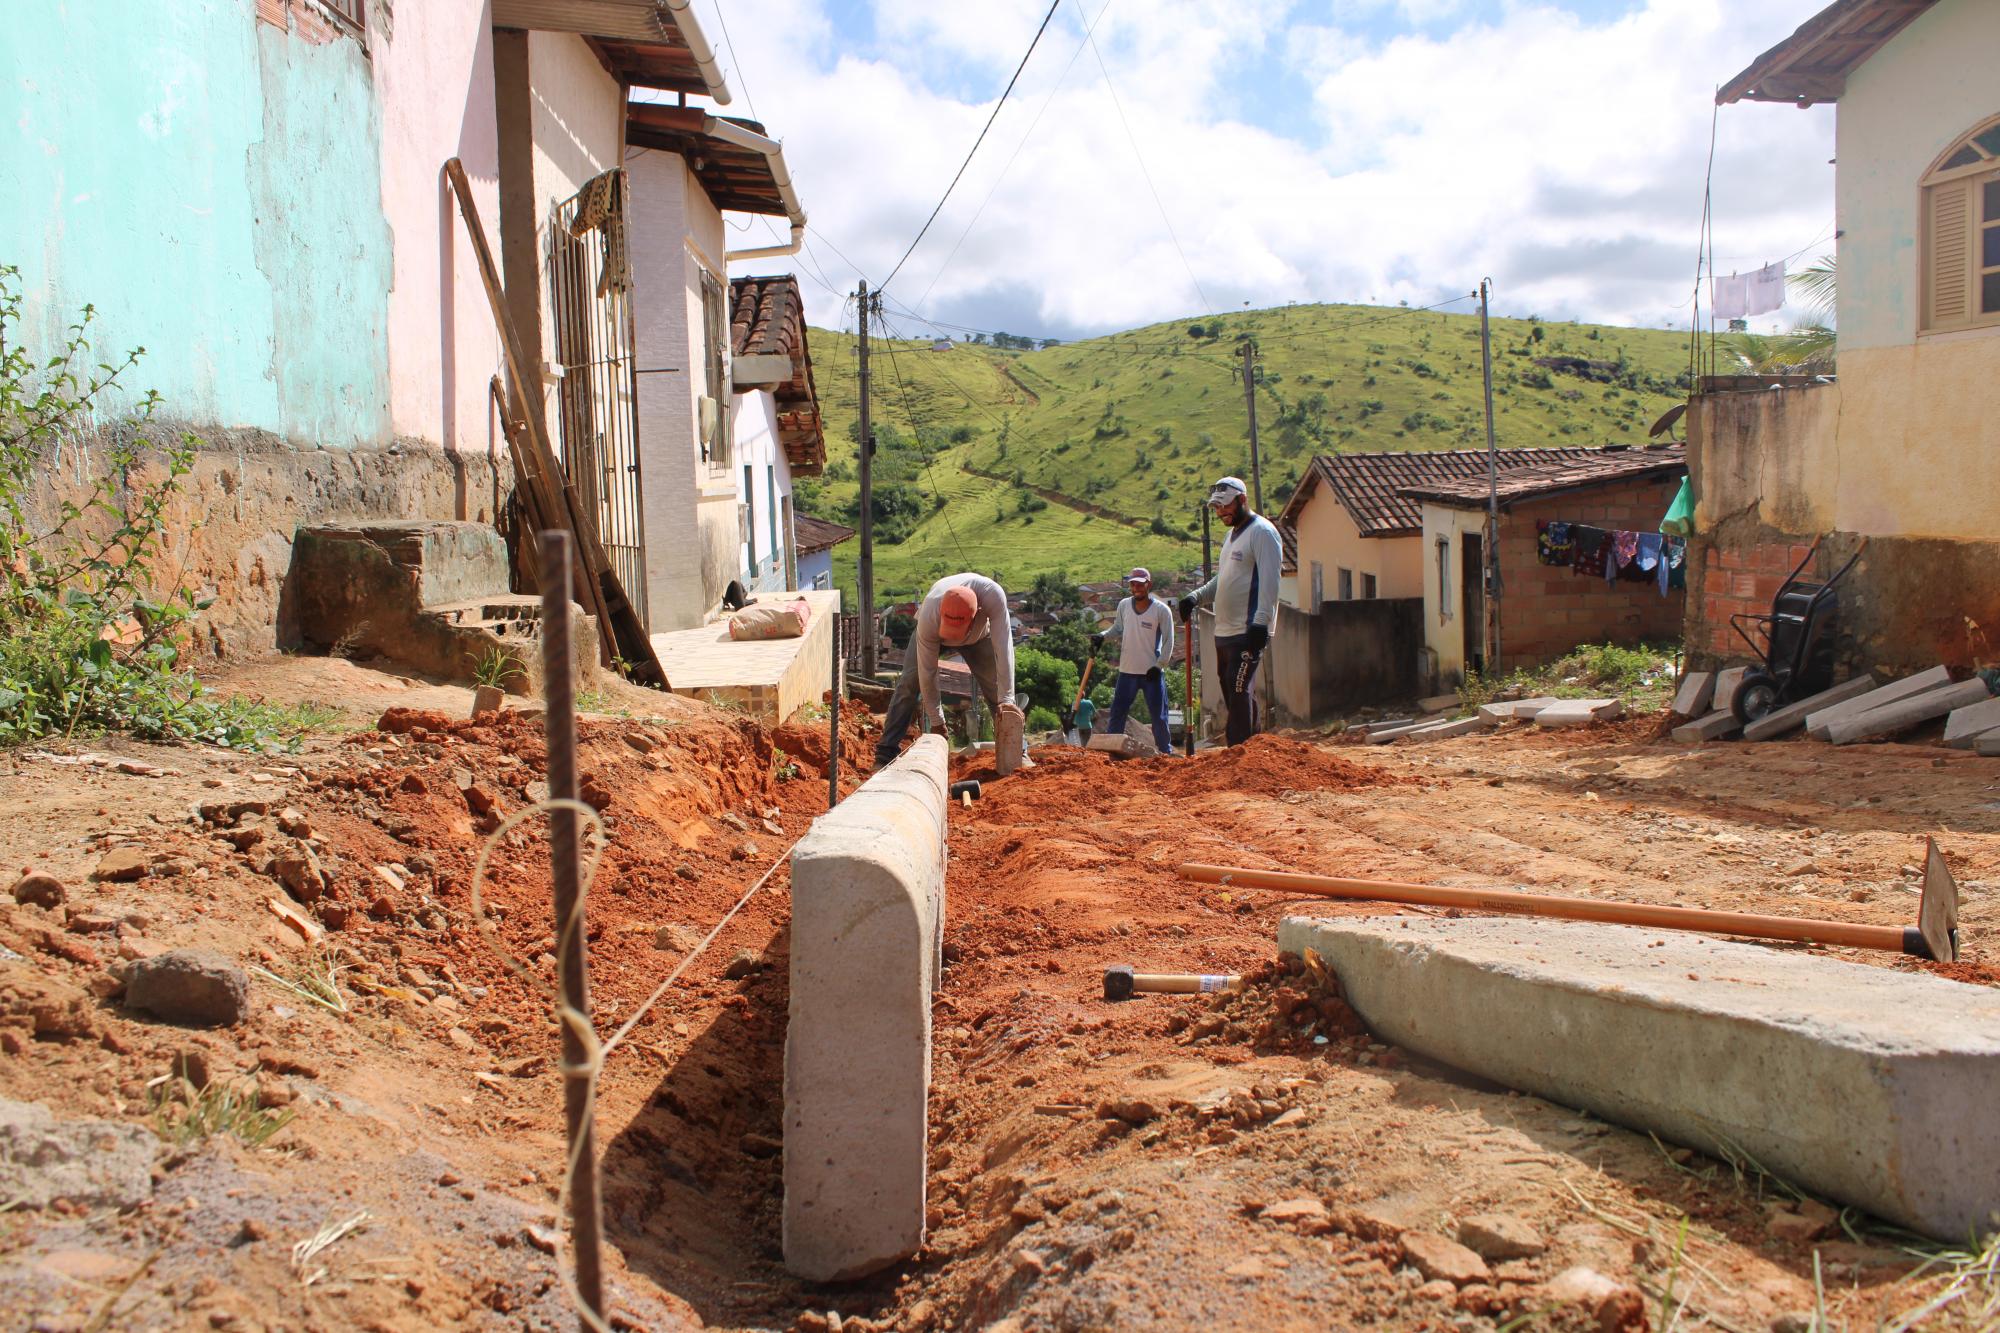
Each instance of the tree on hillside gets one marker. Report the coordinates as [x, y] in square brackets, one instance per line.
[1052, 593]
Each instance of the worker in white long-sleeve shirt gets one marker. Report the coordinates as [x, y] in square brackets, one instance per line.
[1244, 593]
[1144, 629]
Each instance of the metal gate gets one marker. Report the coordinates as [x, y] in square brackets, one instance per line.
[597, 398]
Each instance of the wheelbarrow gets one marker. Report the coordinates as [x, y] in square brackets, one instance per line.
[1794, 641]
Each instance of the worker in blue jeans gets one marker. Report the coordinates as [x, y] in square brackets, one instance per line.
[1144, 628]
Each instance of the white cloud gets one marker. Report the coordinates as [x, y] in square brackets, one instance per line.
[1297, 160]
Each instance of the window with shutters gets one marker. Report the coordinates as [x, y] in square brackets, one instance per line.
[1961, 225]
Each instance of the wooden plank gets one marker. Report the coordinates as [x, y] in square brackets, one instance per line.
[1817, 724]
[1906, 713]
[1781, 720]
[596, 585]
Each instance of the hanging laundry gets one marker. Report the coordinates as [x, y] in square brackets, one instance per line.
[1764, 290]
[1731, 299]
[1592, 546]
[1673, 569]
[1624, 549]
[1553, 543]
[1648, 555]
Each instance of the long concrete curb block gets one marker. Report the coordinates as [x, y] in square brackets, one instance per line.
[867, 934]
[1781, 720]
[1818, 724]
[1870, 1086]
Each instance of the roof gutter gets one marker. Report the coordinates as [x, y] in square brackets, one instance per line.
[729, 132]
[704, 54]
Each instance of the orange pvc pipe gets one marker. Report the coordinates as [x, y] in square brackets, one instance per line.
[1804, 930]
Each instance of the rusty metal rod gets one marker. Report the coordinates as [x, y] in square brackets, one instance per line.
[833, 722]
[559, 693]
[1801, 929]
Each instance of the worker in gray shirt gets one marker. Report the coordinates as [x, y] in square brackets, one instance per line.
[964, 614]
[1244, 593]
[1144, 629]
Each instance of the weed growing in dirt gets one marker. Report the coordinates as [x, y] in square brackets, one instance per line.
[1643, 677]
[314, 978]
[184, 1114]
[92, 629]
[496, 669]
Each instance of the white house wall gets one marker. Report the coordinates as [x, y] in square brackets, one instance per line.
[757, 448]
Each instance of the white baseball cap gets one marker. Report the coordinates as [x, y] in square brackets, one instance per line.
[1229, 488]
[1139, 576]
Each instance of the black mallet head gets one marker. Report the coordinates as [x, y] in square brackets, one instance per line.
[969, 787]
[1117, 983]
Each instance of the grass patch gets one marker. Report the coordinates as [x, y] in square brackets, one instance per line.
[1642, 677]
[314, 978]
[184, 1114]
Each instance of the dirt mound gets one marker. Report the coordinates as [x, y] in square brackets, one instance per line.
[805, 740]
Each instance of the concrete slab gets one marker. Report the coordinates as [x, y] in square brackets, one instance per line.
[1123, 744]
[1713, 727]
[1438, 703]
[1458, 726]
[1383, 735]
[1579, 712]
[1793, 716]
[1870, 1086]
[1906, 713]
[1818, 723]
[1989, 744]
[1723, 698]
[1695, 694]
[1968, 724]
[772, 678]
[867, 934]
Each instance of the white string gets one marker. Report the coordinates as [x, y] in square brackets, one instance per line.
[577, 1022]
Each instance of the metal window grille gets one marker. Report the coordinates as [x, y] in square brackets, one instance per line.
[354, 12]
[598, 398]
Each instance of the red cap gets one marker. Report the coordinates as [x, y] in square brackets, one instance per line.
[956, 608]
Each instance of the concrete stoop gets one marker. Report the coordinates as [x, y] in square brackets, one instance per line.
[867, 945]
[430, 594]
[1873, 1087]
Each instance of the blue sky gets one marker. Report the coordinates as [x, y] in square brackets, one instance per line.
[1335, 150]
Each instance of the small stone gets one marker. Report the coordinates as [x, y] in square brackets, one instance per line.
[743, 964]
[91, 923]
[290, 821]
[762, 1145]
[273, 1091]
[1436, 1290]
[415, 785]
[1801, 868]
[122, 865]
[382, 908]
[526, 1067]
[487, 699]
[192, 1065]
[774, 828]
[686, 871]
[675, 938]
[1245, 1270]
[639, 741]
[1498, 1237]
[243, 839]
[300, 872]
[252, 1231]
[460, 1038]
[1030, 1263]
[479, 800]
[1795, 1321]
[1307, 1215]
[39, 890]
[1805, 1221]
[735, 821]
[1435, 1257]
[138, 768]
[1131, 1110]
[744, 852]
[193, 986]
[1295, 1116]
[237, 809]
[542, 1238]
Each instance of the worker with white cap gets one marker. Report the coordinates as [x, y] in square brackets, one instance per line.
[1144, 628]
[1244, 593]
[964, 614]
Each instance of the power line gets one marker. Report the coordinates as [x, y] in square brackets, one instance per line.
[1140, 158]
[975, 144]
[917, 436]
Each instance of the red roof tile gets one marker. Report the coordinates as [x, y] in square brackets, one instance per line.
[1370, 486]
[1602, 466]
[767, 318]
[816, 534]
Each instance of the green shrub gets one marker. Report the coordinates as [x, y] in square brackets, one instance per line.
[1044, 719]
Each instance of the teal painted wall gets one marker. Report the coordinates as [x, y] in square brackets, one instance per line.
[212, 185]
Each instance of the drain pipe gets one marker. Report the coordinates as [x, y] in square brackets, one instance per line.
[697, 42]
[730, 132]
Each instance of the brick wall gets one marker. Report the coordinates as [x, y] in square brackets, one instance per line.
[1733, 580]
[1546, 610]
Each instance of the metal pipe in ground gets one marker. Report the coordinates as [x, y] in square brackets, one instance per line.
[833, 721]
[1798, 929]
[559, 694]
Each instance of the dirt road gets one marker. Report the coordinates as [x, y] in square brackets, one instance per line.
[1159, 1164]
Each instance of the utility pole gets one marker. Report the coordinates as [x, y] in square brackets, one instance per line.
[1484, 294]
[865, 578]
[1250, 401]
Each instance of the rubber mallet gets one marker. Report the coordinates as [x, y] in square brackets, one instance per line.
[1122, 983]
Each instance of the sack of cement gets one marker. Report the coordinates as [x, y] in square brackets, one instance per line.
[771, 620]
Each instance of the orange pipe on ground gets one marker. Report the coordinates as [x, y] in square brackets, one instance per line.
[1804, 930]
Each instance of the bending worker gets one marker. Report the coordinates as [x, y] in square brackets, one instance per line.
[964, 614]
[1144, 629]
[1244, 593]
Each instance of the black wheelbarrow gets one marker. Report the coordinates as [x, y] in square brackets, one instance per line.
[1795, 641]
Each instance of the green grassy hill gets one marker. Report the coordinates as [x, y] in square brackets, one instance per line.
[1093, 456]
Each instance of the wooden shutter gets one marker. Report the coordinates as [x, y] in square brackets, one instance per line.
[1948, 255]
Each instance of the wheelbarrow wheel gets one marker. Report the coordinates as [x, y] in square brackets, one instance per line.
[1756, 695]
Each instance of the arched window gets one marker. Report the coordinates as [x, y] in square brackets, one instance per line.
[1961, 231]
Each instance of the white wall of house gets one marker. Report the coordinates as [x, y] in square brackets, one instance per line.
[764, 480]
[1444, 612]
[688, 503]
[1327, 535]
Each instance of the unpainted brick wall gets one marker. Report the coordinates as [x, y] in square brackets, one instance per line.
[1547, 610]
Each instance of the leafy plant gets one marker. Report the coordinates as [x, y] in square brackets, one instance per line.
[92, 632]
[497, 668]
[184, 1114]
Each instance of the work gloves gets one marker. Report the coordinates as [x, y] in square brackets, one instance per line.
[1097, 640]
[1186, 607]
[1255, 638]
[1153, 676]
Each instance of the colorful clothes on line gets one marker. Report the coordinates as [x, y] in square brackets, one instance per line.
[1674, 567]
[1592, 546]
[1553, 543]
[1624, 547]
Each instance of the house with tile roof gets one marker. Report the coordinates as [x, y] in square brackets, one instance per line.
[1351, 534]
[816, 538]
[1544, 610]
[774, 419]
[1901, 450]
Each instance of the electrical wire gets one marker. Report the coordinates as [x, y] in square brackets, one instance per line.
[917, 435]
[1140, 158]
[975, 144]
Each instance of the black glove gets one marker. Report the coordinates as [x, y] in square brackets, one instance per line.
[1153, 676]
[1097, 640]
[1256, 637]
[1186, 605]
